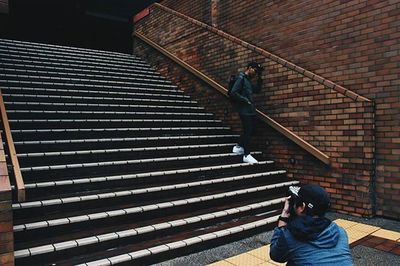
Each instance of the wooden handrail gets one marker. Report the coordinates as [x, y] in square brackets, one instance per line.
[19, 181]
[286, 132]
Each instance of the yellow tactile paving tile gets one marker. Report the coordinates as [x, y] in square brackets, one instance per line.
[365, 228]
[276, 263]
[387, 234]
[352, 240]
[345, 223]
[261, 253]
[245, 260]
[260, 256]
[355, 234]
[267, 263]
[221, 263]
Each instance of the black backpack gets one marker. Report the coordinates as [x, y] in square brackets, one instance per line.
[232, 81]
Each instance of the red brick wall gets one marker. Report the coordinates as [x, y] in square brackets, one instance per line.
[352, 43]
[200, 9]
[338, 126]
[6, 221]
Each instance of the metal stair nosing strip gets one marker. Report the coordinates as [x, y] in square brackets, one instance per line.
[102, 83]
[73, 63]
[70, 141]
[60, 47]
[125, 162]
[48, 47]
[53, 74]
[35, 50]
[104, 105]
[107, 92]
[115, 129]
[84, 68]
[116, 194]
[96, 98]
[44, 55]
[180, 244]
[111, 89]
[49, 248]
[173, 88]
[84, 114]
[145, 208]
[65, 55]
[84, 60]
[114, 121]
[81, 181]
[21, 64]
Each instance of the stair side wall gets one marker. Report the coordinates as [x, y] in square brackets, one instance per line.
[6, 218]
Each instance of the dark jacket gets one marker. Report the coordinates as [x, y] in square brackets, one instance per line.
[242, 93]
[311, 242]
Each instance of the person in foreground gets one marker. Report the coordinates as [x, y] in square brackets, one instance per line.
[304, 236]
[242, 93]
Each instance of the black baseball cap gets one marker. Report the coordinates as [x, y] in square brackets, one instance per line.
[315, 198]
[256, 66]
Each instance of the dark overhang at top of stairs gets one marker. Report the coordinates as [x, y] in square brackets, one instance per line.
[97, 24]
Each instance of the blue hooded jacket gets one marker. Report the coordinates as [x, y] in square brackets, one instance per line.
[310, 241]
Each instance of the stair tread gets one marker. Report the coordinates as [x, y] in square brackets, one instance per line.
[121, 139]
[123, 193]
[71, 66]
[144, 208]
[122, 162]
[75, 69]
[102, 112]
[107, 92]
[94, 98]
[101, 105]
[97, 151]
[109, 120]
[39, 73]
[82, 61]
[131, 253]
[68, 62]
[53, 46]
[142, 230]
[116, 129]
[101, 82]
[67, 55]
[133, 176]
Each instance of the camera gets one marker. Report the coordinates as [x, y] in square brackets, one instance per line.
[293, 192]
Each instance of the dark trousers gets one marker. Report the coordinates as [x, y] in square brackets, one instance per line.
[248, 124]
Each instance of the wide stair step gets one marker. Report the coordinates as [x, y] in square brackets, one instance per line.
[120, 166]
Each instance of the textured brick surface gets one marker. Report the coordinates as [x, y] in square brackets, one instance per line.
[338, 41]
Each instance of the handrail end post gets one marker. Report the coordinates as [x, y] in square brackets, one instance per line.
[21, 195]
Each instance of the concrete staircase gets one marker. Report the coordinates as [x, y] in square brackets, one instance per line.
[119, 165]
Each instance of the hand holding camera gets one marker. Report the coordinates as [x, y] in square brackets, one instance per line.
[288, 209]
